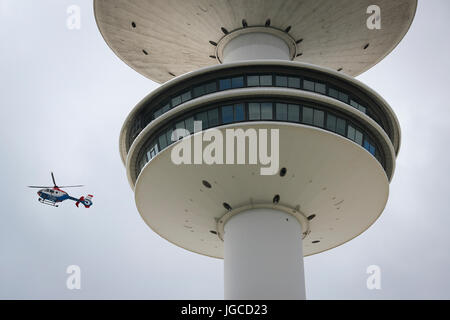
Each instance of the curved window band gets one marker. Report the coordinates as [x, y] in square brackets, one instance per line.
[249, 80]
[215, 116]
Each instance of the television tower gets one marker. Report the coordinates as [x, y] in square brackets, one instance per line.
[263, 65]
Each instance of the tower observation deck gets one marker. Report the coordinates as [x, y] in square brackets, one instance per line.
[236, 69]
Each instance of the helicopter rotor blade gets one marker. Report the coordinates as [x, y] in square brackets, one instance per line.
[53, 178]
[77, 186]
[39, 187]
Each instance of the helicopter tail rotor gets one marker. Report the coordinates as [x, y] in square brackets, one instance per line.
[87, 202]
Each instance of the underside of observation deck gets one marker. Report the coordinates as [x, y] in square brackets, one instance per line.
[164, 39]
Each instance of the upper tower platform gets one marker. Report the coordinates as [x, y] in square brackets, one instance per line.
[164, 39]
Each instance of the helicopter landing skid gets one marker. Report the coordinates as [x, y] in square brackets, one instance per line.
[48, 202]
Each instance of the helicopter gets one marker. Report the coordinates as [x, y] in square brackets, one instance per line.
[52, 196]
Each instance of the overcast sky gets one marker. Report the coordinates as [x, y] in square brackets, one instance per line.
[63, 98]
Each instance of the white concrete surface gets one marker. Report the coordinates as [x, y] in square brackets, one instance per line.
[255, 46]
[176, 34]
[263, 256]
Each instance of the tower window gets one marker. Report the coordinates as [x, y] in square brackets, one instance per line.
[281, 112]
[203, 117]
[224, 84]
[227, 114]
[319, 118]
[320, 88]
[294, 82]
[253, 111]
[307, 115]
[176, 101]
[340, 126]
[239, 112]
[237, 82]
[308, 85]
[294, 112]
[213, 117]
[331, 122]
[253, 81]
[266, 111]
[281, 81]
[211, 87]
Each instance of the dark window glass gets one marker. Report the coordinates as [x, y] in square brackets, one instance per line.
[136, 128]
[351, 133]
[147, 118]
[281, 111]
[320, 88]
[186, 96]
[199, 91]
[362, 109]
[308, 85]
[211, 87]
[266, 111]
[237, 82]
[340, 126]
[307, 115]
[224, 84]
[366, 145]
[227, 114]
[203, 117]
[213, 117]
[369, 147]
[169, 136]
[281, 81]
[166, 108]
[158, 113]
[142, 163]
[343, 97]
[331, 122]
[372, 150]
[358, 137]
[294, 112]
[319, 118]
[253, 81]
[162, 141]
[265, 80]
[189, 122]
[239, 114]
[294, 82]
[333, 93]
[180, 125]
[154, 150]
[176, 101]
[358, 106]
[260, 111]
[253, 111]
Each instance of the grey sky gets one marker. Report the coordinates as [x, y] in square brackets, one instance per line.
[64, 97]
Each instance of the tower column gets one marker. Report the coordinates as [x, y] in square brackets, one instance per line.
[256, 46]
[263, 256]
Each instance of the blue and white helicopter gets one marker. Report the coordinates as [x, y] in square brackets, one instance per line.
[52, 196]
